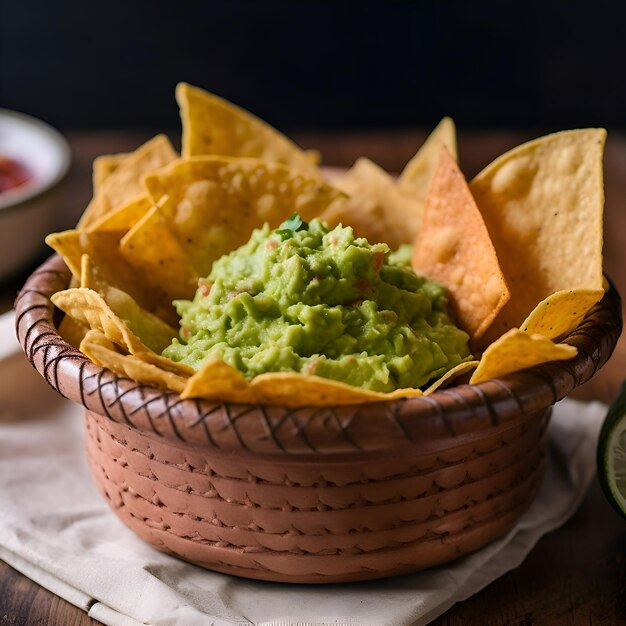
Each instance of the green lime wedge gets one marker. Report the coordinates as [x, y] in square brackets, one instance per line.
[612, 454]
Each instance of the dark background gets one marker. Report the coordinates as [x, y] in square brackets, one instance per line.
[318, 65]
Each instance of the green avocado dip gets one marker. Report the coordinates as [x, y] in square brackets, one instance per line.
[304, 298]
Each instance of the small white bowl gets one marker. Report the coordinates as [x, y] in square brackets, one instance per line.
[28, 212]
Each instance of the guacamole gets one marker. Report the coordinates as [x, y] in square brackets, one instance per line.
[304, 298]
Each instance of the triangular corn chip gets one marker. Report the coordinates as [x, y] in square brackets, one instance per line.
[72, 330]
[377, 208]
[124, 217]
[218, 381]
[151, 330]
[88, 307]
[124, 183]
[454, 248]
[450, 375]
[542, 203]
[216, 202]
[103, 167]
[71, 247]
[103, 247]
[517, 350]
[417, 173]
[103, 352]
[152, 246]
[561, 312]
[214, 126]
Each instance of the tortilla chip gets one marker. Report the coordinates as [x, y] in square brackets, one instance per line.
[213, 126]
[101, 351]
[450, 375]
[152, 246]
[561, 312]
[103, 247]
[103, 167]
[313, 156]
[72, 330]
[151, 330]
[124, 184]
[90, 308]
[90, 277]
[453, 247]
[291, 389]
[417, 173]
[68, 245]
[517, 350]
[124, 217]
[218, 381]
[216, 202]
[542, 203]
[377, 208]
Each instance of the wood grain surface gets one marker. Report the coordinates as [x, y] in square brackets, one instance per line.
[575, 575]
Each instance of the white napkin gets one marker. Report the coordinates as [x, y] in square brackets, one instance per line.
[55, 528]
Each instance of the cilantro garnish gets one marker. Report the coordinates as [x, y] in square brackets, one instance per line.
[292, 225]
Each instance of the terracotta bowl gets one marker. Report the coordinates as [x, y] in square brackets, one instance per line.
[313, 495]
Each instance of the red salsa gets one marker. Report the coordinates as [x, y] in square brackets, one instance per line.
[12, 173]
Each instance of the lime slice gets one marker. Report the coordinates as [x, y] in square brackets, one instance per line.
[612, 454]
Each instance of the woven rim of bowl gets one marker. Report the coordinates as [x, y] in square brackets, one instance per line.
[463, 412]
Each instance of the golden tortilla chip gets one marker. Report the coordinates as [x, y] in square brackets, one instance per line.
[103, 248]
[213, 126]
[103, 167]
[216, 202]
[561, 312]
[90, 308]
[218, 381]
[68, 245]
[72, 330]
[453, 247]
[124, 184]
[517, 350]
[151, 330]
[291, 389]
[313, 156]
[90, 276]
[377, 208]
[417, 173]
[124, 217]
[100, 246]
[542, 203]
[152, 246]
[101, 351]
[450, 375]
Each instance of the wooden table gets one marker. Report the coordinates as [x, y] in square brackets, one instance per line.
[575, 575]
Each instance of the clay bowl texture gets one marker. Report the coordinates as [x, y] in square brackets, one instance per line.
[313, 495]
